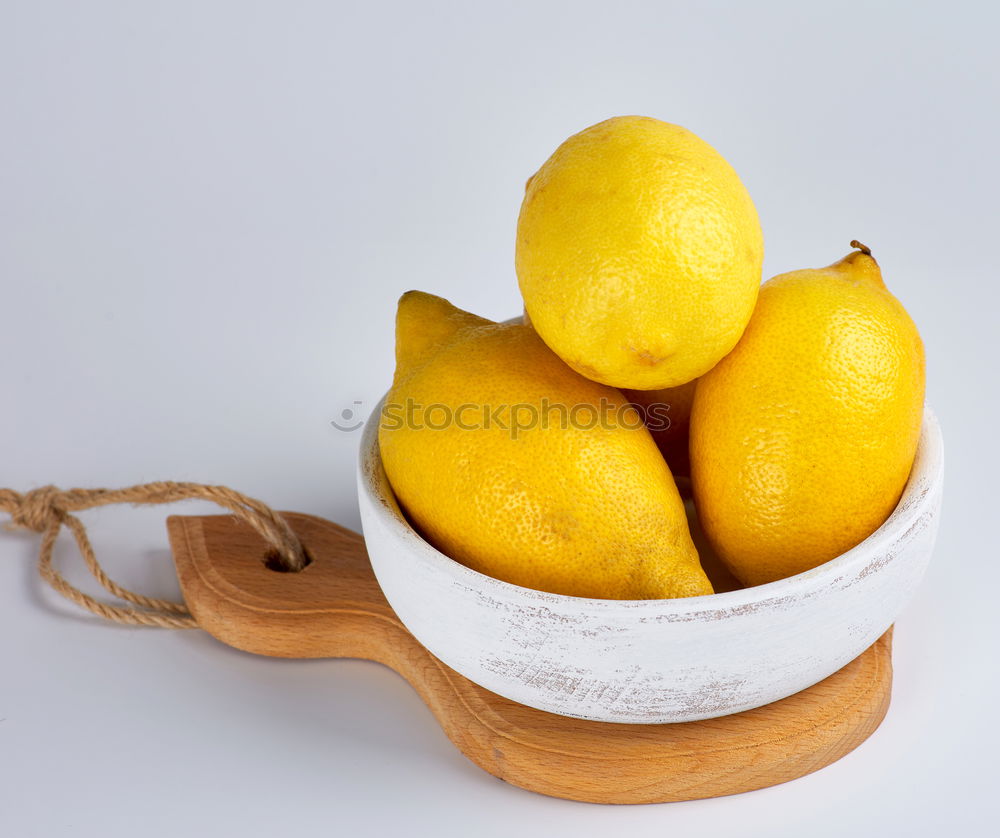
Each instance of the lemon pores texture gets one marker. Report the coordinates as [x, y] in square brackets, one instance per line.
[638, 254]
[584, 511]
[803, 437]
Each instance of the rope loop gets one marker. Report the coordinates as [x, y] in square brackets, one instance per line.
[48, 509]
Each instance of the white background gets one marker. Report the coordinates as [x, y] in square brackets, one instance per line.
[207, 212]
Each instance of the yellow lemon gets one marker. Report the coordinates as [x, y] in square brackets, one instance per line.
[639, 254]
[802, 437]
[508, 461]
[667, 414]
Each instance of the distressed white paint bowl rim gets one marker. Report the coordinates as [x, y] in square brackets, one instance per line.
[393, 543]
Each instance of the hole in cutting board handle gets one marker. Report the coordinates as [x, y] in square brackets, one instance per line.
[272, 561]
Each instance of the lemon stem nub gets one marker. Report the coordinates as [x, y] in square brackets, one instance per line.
[862, 247]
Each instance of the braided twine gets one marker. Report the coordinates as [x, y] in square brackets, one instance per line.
[47, 510]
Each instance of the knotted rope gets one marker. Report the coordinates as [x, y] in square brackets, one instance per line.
[48, 509]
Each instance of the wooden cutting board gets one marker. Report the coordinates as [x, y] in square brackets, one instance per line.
[335, 609]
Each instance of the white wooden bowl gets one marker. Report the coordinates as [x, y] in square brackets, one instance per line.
[652, 661]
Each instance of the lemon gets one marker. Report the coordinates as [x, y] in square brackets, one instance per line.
[802, 438]
[667, 414]
[511, 463]
[638, 254]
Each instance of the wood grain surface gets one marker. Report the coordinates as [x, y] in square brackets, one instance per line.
[334, 608]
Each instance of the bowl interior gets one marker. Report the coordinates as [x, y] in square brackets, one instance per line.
[925, 477]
